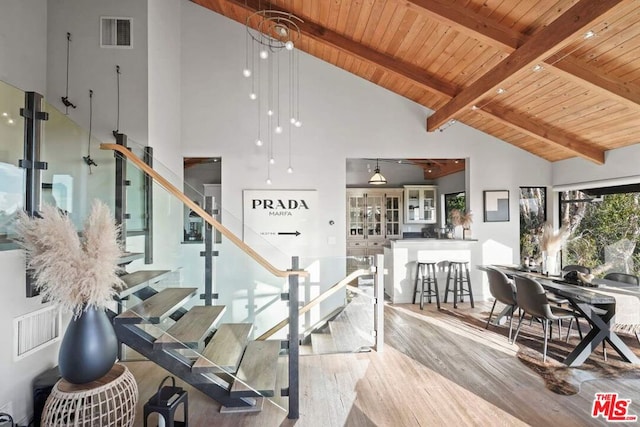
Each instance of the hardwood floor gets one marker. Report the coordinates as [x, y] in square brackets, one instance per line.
[435, 371]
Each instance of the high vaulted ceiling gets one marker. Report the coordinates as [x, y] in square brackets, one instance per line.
[524, 71]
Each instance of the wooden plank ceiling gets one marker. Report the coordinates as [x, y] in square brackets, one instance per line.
[558, 78]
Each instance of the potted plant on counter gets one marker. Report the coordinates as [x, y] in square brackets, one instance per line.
[462, 223]
[81, 275]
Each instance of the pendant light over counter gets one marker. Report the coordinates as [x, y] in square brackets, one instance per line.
[377, 178]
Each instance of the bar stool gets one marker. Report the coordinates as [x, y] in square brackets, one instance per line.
[459, 272]
[426, 275]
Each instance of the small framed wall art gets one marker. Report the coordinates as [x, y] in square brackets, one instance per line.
[496, 205]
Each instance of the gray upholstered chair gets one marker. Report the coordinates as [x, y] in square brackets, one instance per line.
[532, 299]
[622, 277]
[503, 290]
[579, 268]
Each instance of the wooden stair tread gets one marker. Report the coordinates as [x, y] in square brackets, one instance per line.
[160, 306]
[258, 369]
[323, 343]
[140, 279]
[224, 351]
[349, 337]
[192, 328]
[127, 257]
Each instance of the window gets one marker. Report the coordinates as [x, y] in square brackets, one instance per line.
[115, 32]
[605, 228]
[533, 214]
[453, 201]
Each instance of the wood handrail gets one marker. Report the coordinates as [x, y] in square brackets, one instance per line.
[317, 300]
[197, 209]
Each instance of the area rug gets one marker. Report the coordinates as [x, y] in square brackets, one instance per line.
[558, 377]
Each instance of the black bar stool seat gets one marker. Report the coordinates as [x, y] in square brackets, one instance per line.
[458, 272]
[426, 276]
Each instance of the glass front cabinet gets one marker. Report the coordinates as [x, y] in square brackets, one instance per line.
[420, 204]
[373, 217]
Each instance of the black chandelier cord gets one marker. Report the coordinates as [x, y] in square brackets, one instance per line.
[87, 159]
[65, 98]
[117, 131]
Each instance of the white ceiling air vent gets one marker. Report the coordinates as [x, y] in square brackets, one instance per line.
[116, 32]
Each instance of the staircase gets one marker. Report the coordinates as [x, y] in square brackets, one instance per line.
[219, 360]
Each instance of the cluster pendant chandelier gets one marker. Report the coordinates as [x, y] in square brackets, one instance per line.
[272, 64]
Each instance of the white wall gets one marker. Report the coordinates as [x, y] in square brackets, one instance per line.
[360, 170]
[164, 107]
[619, 163]
[93, 67]
[344, 117]
[23, 43]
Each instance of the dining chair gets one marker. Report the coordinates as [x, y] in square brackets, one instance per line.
[532, 299]
[622, 278]
[504, 290]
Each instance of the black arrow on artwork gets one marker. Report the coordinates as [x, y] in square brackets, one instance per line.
[289, 233]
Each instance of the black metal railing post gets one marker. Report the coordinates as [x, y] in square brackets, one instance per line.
[147, 188]
[121, 190]
[294, 342]
[33, 116]
[31, 163]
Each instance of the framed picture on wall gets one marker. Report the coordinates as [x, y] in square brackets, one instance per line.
[496, 205]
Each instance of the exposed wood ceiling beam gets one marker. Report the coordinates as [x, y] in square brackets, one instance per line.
[508, 40]
[335, 40]
[548, 134]
[413, 73]
[579, 72]
[470, 24]
[557, 35]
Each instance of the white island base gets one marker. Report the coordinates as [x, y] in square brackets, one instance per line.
[401, 257]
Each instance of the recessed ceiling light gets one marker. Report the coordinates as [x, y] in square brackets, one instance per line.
[589, 34]
[500, 91]
[537, 68]
[475, 107]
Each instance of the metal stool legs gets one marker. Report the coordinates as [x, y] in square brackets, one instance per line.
[459, 273]
[426, 275]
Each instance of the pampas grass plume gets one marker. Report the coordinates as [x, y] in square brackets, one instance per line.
[73, 272]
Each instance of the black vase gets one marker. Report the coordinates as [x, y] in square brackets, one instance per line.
[89, 347]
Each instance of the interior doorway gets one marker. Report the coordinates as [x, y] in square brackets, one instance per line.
[202, 180]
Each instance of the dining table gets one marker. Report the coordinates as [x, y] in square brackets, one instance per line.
[597, 303]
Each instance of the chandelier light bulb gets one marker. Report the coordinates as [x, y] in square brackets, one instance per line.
[253, 96]
[272, 160]
[259, 142]
[298, 123]
[289, 45]
[278, 129]
[270, 113]
[269, 181]
[264, 54]
[290, 170]
[246, 72]
[10, 121]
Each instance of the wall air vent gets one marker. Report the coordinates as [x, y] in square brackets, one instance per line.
[116, 32]
[36, 330]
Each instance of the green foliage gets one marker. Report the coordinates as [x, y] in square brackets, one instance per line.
[454, 201]
[602, 225]
[532, 218]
